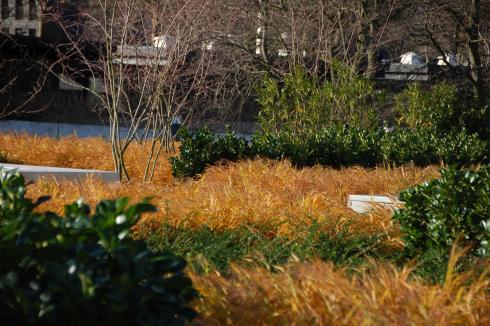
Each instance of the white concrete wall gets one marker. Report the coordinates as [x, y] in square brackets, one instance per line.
[32, 173]
[365, 203]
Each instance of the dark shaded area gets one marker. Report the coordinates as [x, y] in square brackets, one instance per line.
[30, 79]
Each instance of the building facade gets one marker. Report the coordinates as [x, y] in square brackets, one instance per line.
[21, 17]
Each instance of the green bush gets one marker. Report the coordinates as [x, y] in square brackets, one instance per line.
[427, 146]
[208, 250]
[341, 146]
[462, 148]
[441, 108]
[454, 207]
[301, 104]
[202, 148]
[336, 123]
[337, 146]
[84, 268]
[477, 120]
[436, 108]
[403, 146]
[219, 248]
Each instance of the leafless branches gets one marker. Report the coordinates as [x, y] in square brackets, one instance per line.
[459, 28]
[15, 63]
[153, 63]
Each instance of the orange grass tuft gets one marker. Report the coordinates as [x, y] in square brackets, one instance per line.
[92, 190]
[263, 193]
[275, 193]
[82, 153]
[317, 293]
[272, 195]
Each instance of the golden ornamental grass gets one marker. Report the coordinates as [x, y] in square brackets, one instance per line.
[270, 194]
[316, 293]
[82, 153]
[276, 194]
[278, 197]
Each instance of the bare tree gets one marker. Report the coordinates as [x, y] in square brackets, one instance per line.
[275, 35]
[149, 59]
[17, 62]
[174, 85]
[458, 27]
[375, 19]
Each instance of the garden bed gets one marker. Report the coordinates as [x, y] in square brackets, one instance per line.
[270, 241]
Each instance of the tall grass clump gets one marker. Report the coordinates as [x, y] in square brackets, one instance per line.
[276, 196]
[82, 153]
[269, 195]
[318, 293]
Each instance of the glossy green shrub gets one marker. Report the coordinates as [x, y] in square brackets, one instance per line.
[84, 268]
[337, 146]
[476, 119]
[460, 148]
[403, 146]
[202, 148]
[427, 146]
[343, 146]
[454, 207]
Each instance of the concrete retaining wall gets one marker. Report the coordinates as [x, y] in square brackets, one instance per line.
[32, 173]
[57, 130]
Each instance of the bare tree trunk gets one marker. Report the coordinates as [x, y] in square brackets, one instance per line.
[474, 54]
[371, 52]
[263, 21]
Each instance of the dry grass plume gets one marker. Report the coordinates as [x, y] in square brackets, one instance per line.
[317, 293]
[271, 194]
[82, 153]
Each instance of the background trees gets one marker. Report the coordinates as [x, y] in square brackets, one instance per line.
[160, 59]
[459, 28]
[17, 62]
[149, 62]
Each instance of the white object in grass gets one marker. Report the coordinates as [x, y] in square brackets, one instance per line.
[31, 172]
[364, 203]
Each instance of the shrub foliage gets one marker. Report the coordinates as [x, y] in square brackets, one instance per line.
[436, 108]
[337, 146]
[302, 103]
[336, 122]
[202, 148]
[219, 248]
[454, 207]
[84, 268]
